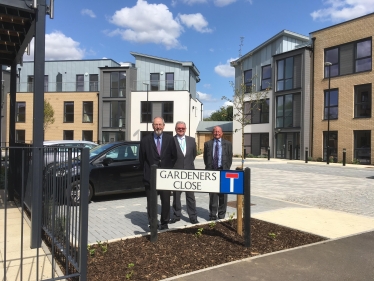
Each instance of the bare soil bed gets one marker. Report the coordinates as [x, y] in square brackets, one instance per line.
[189, 249]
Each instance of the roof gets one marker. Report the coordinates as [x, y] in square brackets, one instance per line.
[267, 42]
[189, 64]
[17, 26]
[207, 126]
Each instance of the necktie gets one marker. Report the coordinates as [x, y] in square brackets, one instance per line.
[158, 146]
[215, 156]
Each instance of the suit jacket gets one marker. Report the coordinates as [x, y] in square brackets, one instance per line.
[186, 162]
[148, 154]
[226, 154]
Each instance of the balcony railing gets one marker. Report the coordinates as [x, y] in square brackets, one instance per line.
[61, 87]
[159, 85]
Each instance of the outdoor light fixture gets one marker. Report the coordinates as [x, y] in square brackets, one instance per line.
[328, 119]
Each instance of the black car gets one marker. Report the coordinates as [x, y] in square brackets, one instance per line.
[114, 168]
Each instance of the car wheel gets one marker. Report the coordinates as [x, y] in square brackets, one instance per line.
[75, 192]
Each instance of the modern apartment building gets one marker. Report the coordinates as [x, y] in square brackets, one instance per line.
[343, 82]
[264, 69]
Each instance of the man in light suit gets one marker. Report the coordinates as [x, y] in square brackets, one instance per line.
[186, 152]
[158, 148]
[217, 156]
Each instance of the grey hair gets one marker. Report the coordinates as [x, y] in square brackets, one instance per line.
[163, 121]
[180, 122]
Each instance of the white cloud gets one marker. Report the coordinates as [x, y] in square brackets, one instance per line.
[88, 12]
[147, 23]
[207, 113]
[191, 2]
[227, 103]
[207, 86]
[225, 70]
[205, 97]
[196, 21]
[58, 47]
[341, 10]
[222, 3]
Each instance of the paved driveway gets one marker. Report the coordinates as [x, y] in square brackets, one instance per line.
[275, 184]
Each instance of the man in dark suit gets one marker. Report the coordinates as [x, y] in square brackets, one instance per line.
[217, 156]
[158, 148]
[186, 152]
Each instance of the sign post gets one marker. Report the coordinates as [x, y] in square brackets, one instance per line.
[247, 207]
[153, 204]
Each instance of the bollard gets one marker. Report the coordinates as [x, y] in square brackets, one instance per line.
[153, 204]
[290, 152]
[344, 156]
[306, 155]
[268, 153]
[245, 153]
[247, 207]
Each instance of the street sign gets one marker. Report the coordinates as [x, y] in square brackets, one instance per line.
[212, 181]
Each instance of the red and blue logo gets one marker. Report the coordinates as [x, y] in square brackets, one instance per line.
[232, 182]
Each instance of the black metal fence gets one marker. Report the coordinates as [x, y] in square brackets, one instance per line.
[63, 223]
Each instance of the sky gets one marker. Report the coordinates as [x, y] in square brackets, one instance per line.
[206, 32]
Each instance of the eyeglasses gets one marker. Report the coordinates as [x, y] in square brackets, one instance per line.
[181, 129]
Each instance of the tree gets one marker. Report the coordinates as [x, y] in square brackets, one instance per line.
[222, 114]
[246, 100]
[49, 114]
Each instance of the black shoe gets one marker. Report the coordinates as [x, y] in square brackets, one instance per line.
[194, 221]
[212, 218]
[174, 220]
[164, 226]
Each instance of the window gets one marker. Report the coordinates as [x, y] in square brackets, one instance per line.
[79, 83]
[285, 74]
[169, 81]
[113, 136]
[20, 135]
[30, 83]
[333, 145]
[68, 112]
[256, 144]
[114, 114]
[363, 101]
[87, 135]
[59, 82]
[20, 112]
[284, 111]
[68, 134]
[146, 112]
[167, 111]
[363, 56]
[155, 81]
[349, 58]
[94, 82]
[248, 80]
[257, 112]
[331, 104]
[266, 77]
[362, 144]
[45, 83]
[118, 84]
[87, 112]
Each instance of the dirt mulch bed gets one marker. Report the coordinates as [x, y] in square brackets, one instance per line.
[185, 250]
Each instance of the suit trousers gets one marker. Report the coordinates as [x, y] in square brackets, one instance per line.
[191, 204]
[217, 202]
[165, 204]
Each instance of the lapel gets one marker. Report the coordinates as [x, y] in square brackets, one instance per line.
[153, 144]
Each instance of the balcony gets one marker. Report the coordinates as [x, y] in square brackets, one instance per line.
[159, 85]
[61, 87]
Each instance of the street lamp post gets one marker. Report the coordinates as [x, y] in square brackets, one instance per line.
[328, 119]
[147, 104]
[19, 79]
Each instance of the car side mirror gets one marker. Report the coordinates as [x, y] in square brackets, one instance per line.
[107, 161]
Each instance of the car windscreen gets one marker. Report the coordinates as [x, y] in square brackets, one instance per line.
[99, 149]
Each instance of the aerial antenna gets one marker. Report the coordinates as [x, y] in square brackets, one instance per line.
[240, 46]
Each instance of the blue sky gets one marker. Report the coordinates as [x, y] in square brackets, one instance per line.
[206, 32]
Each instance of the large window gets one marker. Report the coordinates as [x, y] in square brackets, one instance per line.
[114, 114]
[79, 86]
[94, 82]
[164, 109]
[169, 81]
[331, 104]
[20, 112]
[68, 135]
[285, 69]
[257, 112]
[155, 81]
[87, 135]
[59, 82]
[363, 101]
[118, 84]
[167, 111]
[20, 135]
[68, 112]
[146, 112]
[30, 83]
[284, 111]
[349, 58]
[248, 80]
[362, 144]
[266, 77]
[256, 144]
[333, 145]
[87, 112]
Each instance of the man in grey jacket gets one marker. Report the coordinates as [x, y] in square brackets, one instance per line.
[186, 154]
[217, 156]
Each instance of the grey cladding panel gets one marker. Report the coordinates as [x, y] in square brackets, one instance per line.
[106, 114]
[346, 59]
[106, 84]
